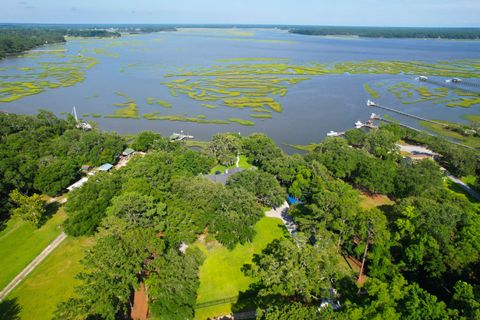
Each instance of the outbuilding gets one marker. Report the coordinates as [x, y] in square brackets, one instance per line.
[128, 152]
[105, 167]
[77, 184]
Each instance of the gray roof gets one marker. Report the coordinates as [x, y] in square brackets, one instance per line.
[105, 167]
[128, 151]
[222, 178]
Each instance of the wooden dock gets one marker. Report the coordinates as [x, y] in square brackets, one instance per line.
[373, 104]
[422, 131]
[455, 85]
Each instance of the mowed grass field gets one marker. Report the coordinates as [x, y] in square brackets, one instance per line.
[242, 164]
[20, 243]
[373, 201]
[221, 276]
[52, 281]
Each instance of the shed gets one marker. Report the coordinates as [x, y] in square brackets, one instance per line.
[105, 167]
[127, 152]
[77, 184]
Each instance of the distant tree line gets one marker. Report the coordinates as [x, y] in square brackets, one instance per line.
[91, 33]
[17, 40]
[389, 32]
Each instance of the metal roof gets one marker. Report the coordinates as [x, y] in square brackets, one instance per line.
[128, 151]
[105, 167]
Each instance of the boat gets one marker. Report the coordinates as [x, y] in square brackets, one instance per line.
[80, 125]
[359, 124]
[180, 136]
[333, 134]
[454, 80]
[421, 78]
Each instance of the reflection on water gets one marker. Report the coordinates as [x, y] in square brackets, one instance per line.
[137, 66]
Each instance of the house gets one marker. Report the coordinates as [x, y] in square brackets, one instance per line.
[128, 152]
[223, 177]
[105, 167]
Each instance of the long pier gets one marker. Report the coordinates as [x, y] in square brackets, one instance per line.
[401, 125]
[470, 84]
[454, 86]
[373, 104]
[418, 130]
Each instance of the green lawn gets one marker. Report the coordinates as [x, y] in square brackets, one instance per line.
[221, 275]
[369, 202]
[242, 164]
[52, 281]
[455, 188]
[471, 181]
[20, 243]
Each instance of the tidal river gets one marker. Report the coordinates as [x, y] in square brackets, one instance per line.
[294, 88]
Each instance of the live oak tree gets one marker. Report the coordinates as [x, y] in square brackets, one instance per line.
[381, 144]
[333, 205]
[173, 282]
[54, 176]
[338, 157]
[225, 147]
[263, 185]
[29, 208]
[148, 140]
[291, 311]
[396, 299]
[371, 232]
[414, 178]
[260, 149]
[86, 206]
[290, 269]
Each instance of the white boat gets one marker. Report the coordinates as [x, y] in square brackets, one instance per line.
[333, 134]
[80, 125]
[453, 80]
[359, 124]
[370, 103]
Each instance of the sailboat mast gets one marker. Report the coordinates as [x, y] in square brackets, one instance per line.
[75, 113]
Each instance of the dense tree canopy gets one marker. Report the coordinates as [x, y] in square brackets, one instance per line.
[263, 185]
[44, 154]
[417, 254]
[288, 269]
[225, 147]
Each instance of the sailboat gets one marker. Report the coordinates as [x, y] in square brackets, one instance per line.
[80, 125]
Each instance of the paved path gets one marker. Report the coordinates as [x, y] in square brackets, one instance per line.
[465, 187]
[25, 272]
[282, 213]
[237, 162]
[415, 149]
